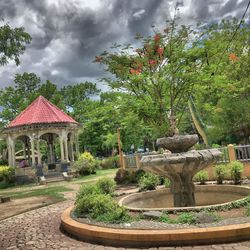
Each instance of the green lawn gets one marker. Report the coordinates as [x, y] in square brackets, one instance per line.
[54, 189]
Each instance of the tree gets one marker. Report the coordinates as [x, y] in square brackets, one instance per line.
[224, 100]
[12, 43]
[161, 74]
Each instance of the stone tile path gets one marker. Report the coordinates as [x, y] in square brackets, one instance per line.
[39, 229]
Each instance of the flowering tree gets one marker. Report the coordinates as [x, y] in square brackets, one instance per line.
[160, 74]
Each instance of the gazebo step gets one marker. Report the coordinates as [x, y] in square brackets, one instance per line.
[54, 179]
[53, 174]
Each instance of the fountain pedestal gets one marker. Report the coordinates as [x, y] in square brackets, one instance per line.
[180, 169]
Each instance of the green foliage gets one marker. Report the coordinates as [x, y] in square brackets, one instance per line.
[124, 176]
[86, 164]
[12, 43]
[94, 201]
[138, 174]
[106, 185]
[166, 218]
[167, 183]
[148, 181]
[7, 174]
[110, 162]
[220, 171]
[236, 169]
[201, 176]
[247, 212]
[186, 218]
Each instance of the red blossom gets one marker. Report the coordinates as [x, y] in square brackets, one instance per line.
[157, 38]
[135, 71]
[152, 62]
[160, 51]
[233, 57]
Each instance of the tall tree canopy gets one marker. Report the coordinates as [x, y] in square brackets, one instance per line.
[12, 43]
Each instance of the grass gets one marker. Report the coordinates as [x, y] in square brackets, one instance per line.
[54, 189]
[54, 192]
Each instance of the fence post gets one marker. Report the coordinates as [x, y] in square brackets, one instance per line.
[123, 161]
[137, 161]
[231, 153]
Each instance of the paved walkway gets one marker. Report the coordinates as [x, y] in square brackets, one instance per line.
[39, 229]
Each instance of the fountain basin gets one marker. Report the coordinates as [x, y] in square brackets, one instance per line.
[208, 196]
[178, 143]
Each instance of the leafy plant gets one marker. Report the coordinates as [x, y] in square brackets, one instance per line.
[148, 182]
[236, 169]
[247, 212]
[167, 183]
[106, 185]
[86, 164]
[110, 162]
[166, 218]
[201, 177]
[221, 171]
[100, 207]
[186, 218]
[124, 176]
[7, 174]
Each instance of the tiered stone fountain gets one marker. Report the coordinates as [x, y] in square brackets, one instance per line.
[180, 165]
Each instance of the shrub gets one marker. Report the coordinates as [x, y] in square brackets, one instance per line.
[110, 162]
[101, 207]
[201, 177]
[220, 171]
[149, 182]
[7, 174]
[138, 174]
[106, 185]
[86, 190]
[236, 169]
[186, 218]
[167, 183]
[124, 176]
[86, 164]
[247, 212]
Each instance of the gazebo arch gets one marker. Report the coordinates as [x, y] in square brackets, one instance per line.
[42, 120]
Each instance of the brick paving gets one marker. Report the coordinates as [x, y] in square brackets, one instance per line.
[39, 229]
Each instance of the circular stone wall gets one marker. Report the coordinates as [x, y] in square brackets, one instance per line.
[205, 196]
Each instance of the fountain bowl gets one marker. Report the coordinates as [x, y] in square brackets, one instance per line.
[178, 143]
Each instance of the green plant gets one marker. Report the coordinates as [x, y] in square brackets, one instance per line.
[167, 183]
[124, 176]
[201, 177]
[166, 218]
[100, 207]
[138, 174]
[236, 169]
[106, 185]
[7, 174]
[110, 162]
[87, 190]
[86, 164]
[186, 218]
[148, 182]
[247, 212]
[220, 171]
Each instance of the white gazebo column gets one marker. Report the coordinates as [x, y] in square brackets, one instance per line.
[32, 151]
[62, 149]
[66, 149]
[39, 160]
[77, 146]
[11, 151]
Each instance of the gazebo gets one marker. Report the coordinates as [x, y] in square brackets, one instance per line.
[42, 133]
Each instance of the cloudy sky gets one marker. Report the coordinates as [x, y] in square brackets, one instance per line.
[67, 34]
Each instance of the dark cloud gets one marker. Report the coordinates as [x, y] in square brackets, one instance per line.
[68, 34]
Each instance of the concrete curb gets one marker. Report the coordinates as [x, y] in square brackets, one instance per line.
[153, 238]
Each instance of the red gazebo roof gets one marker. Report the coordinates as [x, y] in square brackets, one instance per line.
[41, 111]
